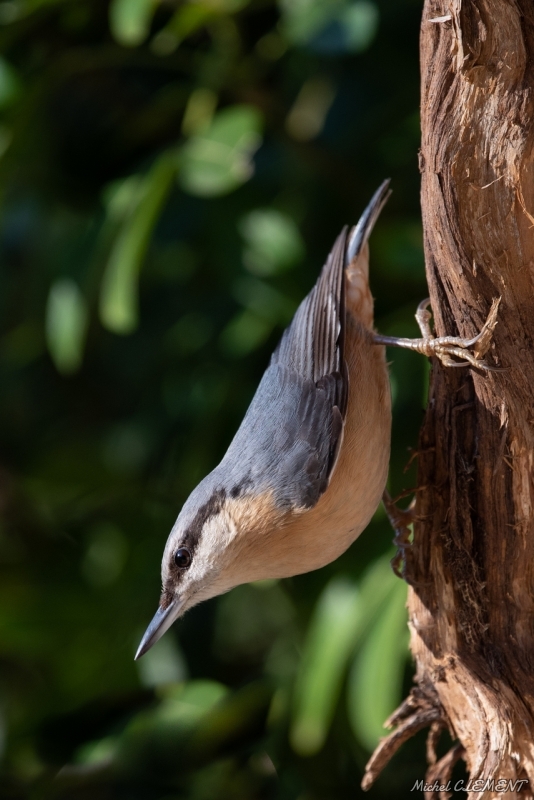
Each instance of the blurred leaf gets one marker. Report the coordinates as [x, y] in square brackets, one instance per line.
[331, 637]
[272, 46]
[376, 585]
[99, 752]
[163, 664]
[360, 21]
[183, 706]
[66, 325]
[190, 18]
[6, 137]
[192, 700]
[219, 160]
[330, 27]
[244, 333]
[350, 31]
[129, 20]
[118, 297]
[199, 111]
[10, 85]
[303, 19]
[192, 15]
[308, 114]
[122, 197]
[10, 12]
[342, 618]
[155, 741]
[184, 22]
[375, 681]
[265, 307]
[196, 722]
[273, 241]
[236, 721]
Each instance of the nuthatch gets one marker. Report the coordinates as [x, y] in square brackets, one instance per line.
[306, 470]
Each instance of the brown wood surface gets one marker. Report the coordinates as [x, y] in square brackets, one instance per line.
[471, 568]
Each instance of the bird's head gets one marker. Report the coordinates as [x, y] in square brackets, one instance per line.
[210, 550]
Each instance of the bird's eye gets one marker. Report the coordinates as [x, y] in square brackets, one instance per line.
[182, 557]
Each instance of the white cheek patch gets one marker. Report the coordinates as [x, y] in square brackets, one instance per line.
[211, 554]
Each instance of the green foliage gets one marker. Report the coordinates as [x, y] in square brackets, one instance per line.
[219, 159]
[331, 637]
[375, 682]
[368, 618]
[129, 20]
[273, 241]
[10, 87]
[172, 177]
[66, 325]
[331, 26]
[139, 203]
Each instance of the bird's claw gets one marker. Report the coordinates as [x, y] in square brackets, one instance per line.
[445, 347]
[449, 348]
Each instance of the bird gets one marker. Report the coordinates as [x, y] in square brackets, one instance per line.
[308, 466]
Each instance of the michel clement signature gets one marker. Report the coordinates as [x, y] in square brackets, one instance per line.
[491, 785]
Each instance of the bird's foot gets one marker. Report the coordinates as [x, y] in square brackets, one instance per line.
[447, 348]
[401, 521]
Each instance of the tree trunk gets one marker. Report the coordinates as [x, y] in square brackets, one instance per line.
[471, 567]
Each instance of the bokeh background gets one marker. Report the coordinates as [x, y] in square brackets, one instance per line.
[172, 177]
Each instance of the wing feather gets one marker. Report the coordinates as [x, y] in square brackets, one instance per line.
[290, 437]
[313, 345]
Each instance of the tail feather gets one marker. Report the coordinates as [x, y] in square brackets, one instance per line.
[359, 300]
[313, 344]
[361, 232]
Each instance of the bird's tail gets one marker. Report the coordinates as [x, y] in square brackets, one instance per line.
[361, 232]
[358, 296]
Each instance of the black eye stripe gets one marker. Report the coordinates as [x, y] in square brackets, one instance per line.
[182, 557]
[193, 531]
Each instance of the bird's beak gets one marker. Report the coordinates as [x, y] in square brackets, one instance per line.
[162, 621]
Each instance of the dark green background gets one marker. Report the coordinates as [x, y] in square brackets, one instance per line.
[112, 410]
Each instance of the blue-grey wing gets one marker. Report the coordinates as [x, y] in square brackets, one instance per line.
[286, 441]
[291, 433]
[313, 345]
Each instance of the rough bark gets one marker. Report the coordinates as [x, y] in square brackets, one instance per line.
[471, 567]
